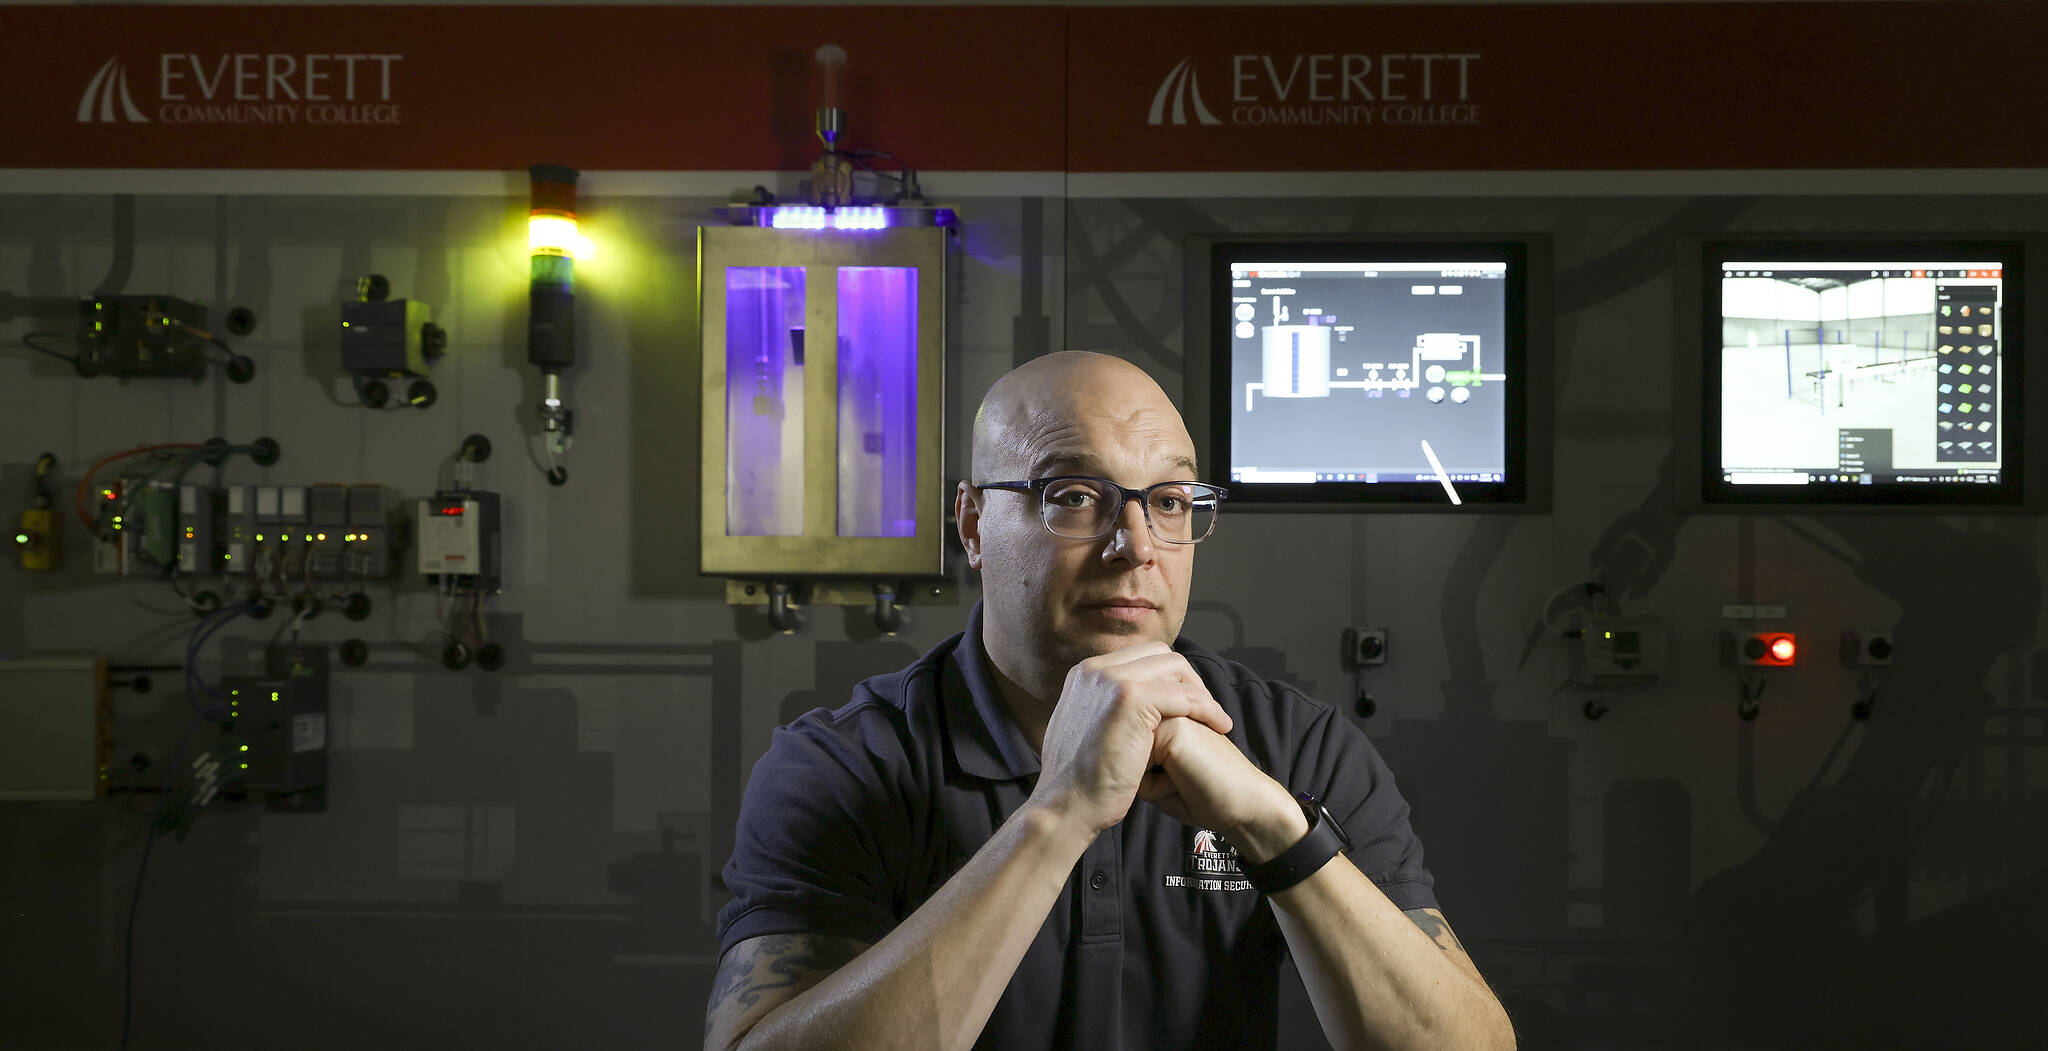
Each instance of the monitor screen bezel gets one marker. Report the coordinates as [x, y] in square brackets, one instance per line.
[2008, 494]
[1211, 259]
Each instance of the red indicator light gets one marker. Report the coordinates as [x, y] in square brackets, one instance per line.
[1766, 649]
[455, 509]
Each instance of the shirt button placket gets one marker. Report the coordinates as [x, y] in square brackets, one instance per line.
[1098, 973]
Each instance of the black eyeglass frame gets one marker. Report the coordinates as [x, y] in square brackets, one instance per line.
[1125, 494]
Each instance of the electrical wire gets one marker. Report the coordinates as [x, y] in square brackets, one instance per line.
[291, 625]
[85, 483]
[29, 341]
[193, 679]
[190, 457]
[135, 899]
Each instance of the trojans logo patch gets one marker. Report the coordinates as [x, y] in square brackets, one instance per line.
[1210, 863]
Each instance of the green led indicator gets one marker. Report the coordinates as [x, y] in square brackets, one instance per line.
[273, 695]
[245, 748]
[21, 538]
[99, 306]
[245, 766]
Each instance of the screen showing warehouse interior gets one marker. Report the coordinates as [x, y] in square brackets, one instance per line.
[1861, 373]
[1364, 372]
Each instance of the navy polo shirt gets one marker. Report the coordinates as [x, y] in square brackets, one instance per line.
[856, 817]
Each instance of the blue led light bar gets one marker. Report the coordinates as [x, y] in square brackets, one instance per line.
[864, 217]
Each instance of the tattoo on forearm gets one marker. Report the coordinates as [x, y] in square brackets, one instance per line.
[789, 958]
[1432, 924]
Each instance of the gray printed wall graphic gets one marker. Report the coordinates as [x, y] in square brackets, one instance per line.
[528, 858]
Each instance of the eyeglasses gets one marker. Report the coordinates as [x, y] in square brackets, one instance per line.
[1079, 507]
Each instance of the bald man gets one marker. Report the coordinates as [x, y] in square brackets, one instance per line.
[1068, 826]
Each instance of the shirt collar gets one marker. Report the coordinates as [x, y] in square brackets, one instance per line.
[986, 742]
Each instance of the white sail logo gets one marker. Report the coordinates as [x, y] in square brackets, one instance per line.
[1183, 87]
[111, 81]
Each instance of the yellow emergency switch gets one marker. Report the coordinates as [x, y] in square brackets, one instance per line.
[37, 540]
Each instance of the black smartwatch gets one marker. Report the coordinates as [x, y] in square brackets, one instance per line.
[1325, 840]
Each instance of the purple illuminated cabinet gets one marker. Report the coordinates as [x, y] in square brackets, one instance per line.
[824, 399]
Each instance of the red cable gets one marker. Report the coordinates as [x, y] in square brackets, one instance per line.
[78, 500]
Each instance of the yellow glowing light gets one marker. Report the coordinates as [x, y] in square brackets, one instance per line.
[552, 235]
[323, 536]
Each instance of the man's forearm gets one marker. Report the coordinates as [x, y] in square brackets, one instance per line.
[1377, 981]
[932, 982]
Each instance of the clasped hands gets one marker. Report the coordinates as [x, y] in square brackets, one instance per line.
[1137, 723]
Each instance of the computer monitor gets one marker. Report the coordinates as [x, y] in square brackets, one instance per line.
[1862, 373]
[1358, 374]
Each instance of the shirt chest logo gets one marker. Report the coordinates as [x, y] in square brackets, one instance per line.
[1210, 863]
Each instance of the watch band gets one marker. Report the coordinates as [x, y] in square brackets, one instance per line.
[1325, 840]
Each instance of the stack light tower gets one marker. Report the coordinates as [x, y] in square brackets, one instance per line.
[551, 316]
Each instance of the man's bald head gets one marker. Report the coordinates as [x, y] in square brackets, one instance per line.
[1033, 402]
[1050, 600]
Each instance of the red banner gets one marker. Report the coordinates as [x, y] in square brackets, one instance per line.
[1565, 87]
[502, 88]
[1937, 85]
